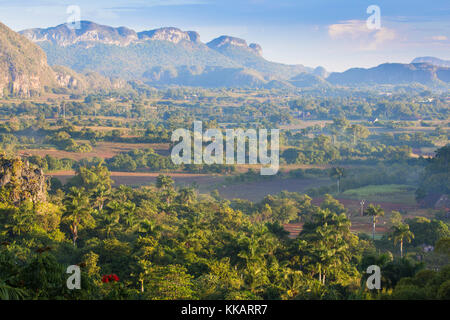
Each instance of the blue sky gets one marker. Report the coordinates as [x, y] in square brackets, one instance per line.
[329, 33]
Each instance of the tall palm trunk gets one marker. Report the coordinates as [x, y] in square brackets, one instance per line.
[74, 229]
[373, 229]
[320, 274]
[401, 248]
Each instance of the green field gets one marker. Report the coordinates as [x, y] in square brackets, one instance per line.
[396, 193]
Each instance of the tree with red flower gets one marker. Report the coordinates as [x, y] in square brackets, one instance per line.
[110, 277]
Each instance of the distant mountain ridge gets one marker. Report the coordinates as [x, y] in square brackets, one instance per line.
[433, 61]
[392, 73]
[91, 33]
[160, 56]
[250, 56]
[95, 54]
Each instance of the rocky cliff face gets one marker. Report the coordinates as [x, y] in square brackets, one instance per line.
[223, 41]
[24, 71]
[227, 41]
[87, 82]
[66, 80]
[256, 48]
[20, 181]
[23, 66]
[174, 35]
[433, 61]
[91, 33]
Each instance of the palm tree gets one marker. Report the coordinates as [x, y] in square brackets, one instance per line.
[21, 221]
[323, 242]
[129, 214]
[251, 251]
[400, 233]
[168, 195]
[149, 227]
[100, 194]
[8, 292]
[78, 210]
[122, 193]
[374, 212]
[164, 182]
[337, 173]
[186, 195]
[358, 131]
[110, 218]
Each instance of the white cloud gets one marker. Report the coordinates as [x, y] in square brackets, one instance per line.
[439, 38]
[384, 35]
[358, 33]
[352, 28]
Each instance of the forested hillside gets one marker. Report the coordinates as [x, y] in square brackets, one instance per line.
[163, 242]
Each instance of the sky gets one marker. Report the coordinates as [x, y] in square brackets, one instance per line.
[334, 34]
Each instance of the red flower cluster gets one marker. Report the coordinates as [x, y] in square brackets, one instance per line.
[110, 277]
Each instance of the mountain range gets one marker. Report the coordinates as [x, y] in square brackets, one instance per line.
[433, 61]
[97, 57]
[161, 56]
[393, 73]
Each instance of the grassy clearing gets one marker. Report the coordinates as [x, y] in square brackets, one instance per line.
[396, 193]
